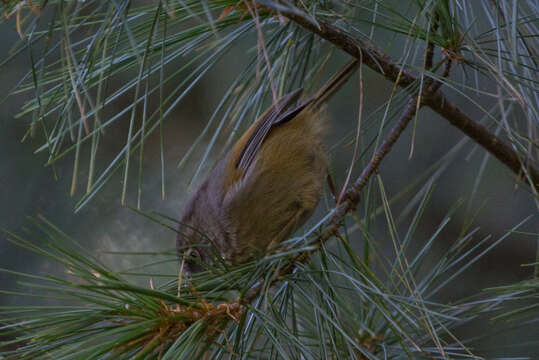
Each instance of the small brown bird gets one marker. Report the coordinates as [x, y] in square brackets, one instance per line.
[265, 187]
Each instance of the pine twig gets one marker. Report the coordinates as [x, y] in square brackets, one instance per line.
[384, 65]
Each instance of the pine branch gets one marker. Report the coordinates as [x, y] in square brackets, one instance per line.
[384, 65]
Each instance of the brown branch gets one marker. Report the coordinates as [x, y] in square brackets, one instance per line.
[387, 67]
[434, 86]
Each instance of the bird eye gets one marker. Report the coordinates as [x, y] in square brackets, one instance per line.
[193, 261]
[193, 254]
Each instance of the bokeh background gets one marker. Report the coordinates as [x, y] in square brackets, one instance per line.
[27, 188]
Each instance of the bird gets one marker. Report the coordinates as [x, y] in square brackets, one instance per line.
[265, 187]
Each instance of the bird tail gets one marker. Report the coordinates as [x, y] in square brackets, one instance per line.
[333, 85]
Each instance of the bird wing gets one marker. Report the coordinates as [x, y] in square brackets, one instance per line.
[277, 114]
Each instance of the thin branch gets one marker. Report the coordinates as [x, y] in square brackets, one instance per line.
[434, 86]
[386, 66]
